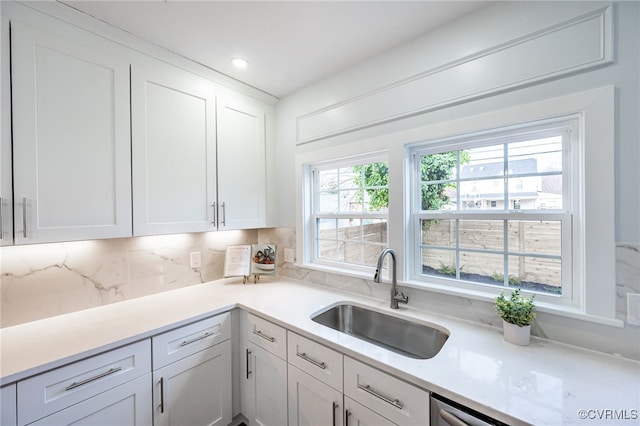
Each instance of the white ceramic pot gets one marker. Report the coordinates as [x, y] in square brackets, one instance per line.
[516, 334]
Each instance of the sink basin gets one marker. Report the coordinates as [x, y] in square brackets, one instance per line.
[408, 338]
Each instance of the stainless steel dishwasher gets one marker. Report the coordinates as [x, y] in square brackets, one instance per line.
[445, 412]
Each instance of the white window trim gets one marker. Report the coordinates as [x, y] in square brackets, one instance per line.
[571, 289]
[596, 272]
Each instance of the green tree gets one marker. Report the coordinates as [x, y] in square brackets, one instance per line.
[434, 169]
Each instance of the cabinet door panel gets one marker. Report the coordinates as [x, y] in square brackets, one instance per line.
[312, 402]
[8, 406]
[196, 390]
[241, 164]
[125, 405]
[6, 184]
[174, 170]
[71, 140]
[358, 415]
[267, 388]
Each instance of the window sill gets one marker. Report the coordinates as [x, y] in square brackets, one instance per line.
[545, 307]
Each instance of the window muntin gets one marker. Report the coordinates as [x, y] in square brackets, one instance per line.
[350, 209]
[495, 211]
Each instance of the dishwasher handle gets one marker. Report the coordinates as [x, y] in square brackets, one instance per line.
[451, 419]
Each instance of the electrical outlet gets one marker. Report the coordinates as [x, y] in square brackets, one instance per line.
[633, 308]
[289, 255]
[195, 259]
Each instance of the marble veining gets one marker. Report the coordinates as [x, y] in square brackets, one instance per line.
[46, 280]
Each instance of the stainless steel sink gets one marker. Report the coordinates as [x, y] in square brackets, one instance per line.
[408, 338]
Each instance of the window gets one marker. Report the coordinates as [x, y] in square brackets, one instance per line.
[480, 211]
[350, 208]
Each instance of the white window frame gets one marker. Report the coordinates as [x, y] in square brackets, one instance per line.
[593, 272]
[569, 128]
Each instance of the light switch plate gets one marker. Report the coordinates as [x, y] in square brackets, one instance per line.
[633, 308]
[195, 259]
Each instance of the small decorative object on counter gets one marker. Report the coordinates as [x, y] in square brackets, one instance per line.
[517, 313]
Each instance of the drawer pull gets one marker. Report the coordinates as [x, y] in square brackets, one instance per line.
[248, 371]
[188, 342]
[333, 412]
[161, 394]
[264, 336]
[396, 403]
[304, 356]
[91, 379]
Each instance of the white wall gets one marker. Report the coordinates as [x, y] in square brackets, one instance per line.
[371, 97]
[502, 22]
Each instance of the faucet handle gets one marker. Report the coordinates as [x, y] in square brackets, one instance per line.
[400, 297]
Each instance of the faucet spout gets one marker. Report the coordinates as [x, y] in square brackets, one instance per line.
[396, 296]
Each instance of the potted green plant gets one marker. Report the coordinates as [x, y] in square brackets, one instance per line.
[517, 313]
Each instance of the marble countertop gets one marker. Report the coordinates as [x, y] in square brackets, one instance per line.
[545, 383]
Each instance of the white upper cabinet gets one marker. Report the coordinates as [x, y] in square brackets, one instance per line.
[71, 139]
[6, 190]
[174, 150]
[241, 162]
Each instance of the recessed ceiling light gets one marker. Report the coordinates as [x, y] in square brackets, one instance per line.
[240, 62]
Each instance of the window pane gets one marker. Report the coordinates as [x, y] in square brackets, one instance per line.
[349, 230]
[328, 202]
[482, 234]
[328, 250]
[439, 262]
[483, 163]
[536, 274]
[535, 236]
[327, 180]
[438, 174]
[350, 201]
[440, 233]
[535, 156]
[482, 194]
[327, 229]
[375, 231]
[482, 268]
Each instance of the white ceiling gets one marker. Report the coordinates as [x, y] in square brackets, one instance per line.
[289, 44]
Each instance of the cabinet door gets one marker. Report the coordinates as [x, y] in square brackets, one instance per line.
[266, 387]
[71, 139]
[174, 151]
[8, 406]
[311, 402]
[196, 390]
[241, 163]
[6, 191]
[359, 415]
[125, 405]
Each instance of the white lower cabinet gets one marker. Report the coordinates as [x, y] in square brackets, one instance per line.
[127, 404]
[263, 385]
[110, 388]
[8, 406]
[312, 402]
[358, 415]
[392, 398]
[192, 374]
[195, 390]
[266, 383]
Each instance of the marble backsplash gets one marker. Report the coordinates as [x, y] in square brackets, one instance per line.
[45, 280]
[51, 279]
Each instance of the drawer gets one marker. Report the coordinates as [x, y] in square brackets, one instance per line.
[54, 390]
[268, 336]
[316, 360]
[392, 398]
[184, 341]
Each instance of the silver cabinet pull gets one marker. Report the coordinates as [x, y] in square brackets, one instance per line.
[304, 356]
[248, 371]
[451, 419]
[264, 336]
[188, 342]
[213, 213]
[396, 403]
[91, 379]
[333, 412]
[162, 394]
[224, 214]
[24, 217]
